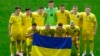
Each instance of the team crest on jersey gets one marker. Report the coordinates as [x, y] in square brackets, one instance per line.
[77, 16]
[90, 18]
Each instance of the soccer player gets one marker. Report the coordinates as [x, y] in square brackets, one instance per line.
[74, 32]
[59, 31]
[47, 31]
[15, 31]
[19, 13]
[75, 16]
[88, 29]
[62, 15]
[27, 22]
[39, 16]
[50, 14]
[30, 31]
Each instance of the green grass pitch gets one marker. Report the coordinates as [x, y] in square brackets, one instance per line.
[7, 7]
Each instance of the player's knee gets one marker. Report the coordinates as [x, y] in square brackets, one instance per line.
[77, 46]
[28, 46]
[76, 42]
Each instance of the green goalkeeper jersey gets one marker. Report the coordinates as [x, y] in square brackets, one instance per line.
[50, 16]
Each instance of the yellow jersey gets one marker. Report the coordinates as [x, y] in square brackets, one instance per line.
[38, 19]
[19, 14]
[73, 32]
[75, 18]
[59, 33]
[62, 17]
[46, 32]
[30, 30]
[16, 23]
[27, 21]
[88, 21]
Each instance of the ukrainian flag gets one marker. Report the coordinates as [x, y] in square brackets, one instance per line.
[51, 46]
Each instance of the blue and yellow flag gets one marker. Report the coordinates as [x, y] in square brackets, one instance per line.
[51, 46]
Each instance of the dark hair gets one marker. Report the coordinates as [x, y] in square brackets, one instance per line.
[60, 24]
[27, 9]
[17, 7]
[75, 6]
[62, 5]
[87, 6]
[34, 24]
[50, 1]
[40, 7]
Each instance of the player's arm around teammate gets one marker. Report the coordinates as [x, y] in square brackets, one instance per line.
[62, 15]
[75, 16]
[39, 16]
